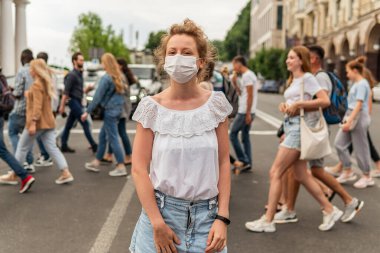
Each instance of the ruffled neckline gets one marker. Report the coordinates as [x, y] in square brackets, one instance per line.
[187, 123]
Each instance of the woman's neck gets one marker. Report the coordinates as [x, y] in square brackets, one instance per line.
[187, 90]
[298, 73]
[357, 79]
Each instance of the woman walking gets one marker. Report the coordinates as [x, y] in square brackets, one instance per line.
[110, 96]
[182, 136]
[128, 79]
[40, 120]
[354, 129]
[298, 63]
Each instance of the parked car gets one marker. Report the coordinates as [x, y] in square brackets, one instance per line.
[376, 92]
[270, 86]
[147, 77]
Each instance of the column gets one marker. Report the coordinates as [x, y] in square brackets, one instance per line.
[7, 39]
[21, 40]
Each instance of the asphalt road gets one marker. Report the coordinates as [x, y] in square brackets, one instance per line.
[97, 213]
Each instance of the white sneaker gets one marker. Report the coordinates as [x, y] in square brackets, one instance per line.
[91, 167]
[118, 172]
[344, 177]
[285, 216]
[8, 179]
[261, 225]
[29, 168]
[41, 162]
[375, 173]
[331, 171]
[329, 219]
[62, 180]
[364, 182]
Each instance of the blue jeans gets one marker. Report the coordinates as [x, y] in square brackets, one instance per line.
[8, 157]
[124, 137]
[109, 133]
[76, 112]
[16, 125]
[41, 145]
[239, 125]
[190, 221]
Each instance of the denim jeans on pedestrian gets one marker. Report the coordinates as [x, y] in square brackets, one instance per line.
[16, 124]
[76, 112]
[43, 151]
[190, 221]
[109, 133]
[238, 125]
[8, 157]
[48, 138]
[124, 137]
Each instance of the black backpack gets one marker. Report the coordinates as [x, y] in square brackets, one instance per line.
[7, 99]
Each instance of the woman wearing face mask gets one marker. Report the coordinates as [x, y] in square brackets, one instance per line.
[298, 63]
[110, 95]
[182, 138]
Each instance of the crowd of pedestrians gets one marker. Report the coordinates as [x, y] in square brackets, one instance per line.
[181, 162]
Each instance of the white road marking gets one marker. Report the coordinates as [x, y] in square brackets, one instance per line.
[107, 234]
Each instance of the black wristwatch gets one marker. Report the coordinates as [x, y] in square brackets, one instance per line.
[224, 219]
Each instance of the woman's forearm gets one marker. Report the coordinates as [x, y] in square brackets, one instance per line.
[356, 111]
[145, 192]
[224, 187]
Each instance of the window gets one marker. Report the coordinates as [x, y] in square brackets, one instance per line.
[279, 17]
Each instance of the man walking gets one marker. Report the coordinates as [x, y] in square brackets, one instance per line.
[247, 91]
[74, 94]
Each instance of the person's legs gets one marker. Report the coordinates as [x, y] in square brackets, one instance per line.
[8, 157]
[342, 142]
[66, 131]
[374, 154]
[24, 146]
[110, 125]
[306, 179]
[238, 125]
[124, 136]
[42, 148]
[293, 189]
[246, 141]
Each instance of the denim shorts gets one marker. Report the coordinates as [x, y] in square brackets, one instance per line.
[190, 221]
[292, 133]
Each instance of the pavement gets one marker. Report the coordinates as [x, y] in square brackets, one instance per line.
[98, 213]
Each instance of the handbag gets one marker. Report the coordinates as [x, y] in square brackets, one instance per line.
[315, 142]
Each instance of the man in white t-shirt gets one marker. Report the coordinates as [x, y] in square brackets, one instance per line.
[247, 91]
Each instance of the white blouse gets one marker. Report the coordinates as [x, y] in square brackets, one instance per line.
[184, 161]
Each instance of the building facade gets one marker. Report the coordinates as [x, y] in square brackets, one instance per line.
[344, 28]
[12, 36]
[266, 25]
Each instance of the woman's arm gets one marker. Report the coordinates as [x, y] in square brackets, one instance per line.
[217, 238]
[99, 94]
[164, 237]
[347, 125]
[370, 102]
[37, 93]
[322, 100]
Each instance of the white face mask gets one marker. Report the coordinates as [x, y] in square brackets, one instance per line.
[181, 68]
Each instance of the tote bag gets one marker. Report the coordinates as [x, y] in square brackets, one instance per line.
[315, 142]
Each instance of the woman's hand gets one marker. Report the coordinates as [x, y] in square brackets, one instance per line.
[282, 107]
[217, 237]
[84, 117]
[293, 110]
[165, 239]
[347, 125]
[32, 129]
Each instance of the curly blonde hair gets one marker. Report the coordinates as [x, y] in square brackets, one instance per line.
[206, 50]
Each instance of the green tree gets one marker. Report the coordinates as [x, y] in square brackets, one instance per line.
[154, 40]
[90, 33]
[237, 39]
[221, 50]
[270, 63]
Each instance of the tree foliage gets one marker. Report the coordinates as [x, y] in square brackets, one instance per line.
[237, 39]
[90, 33]
[154, 40]
[270, 63]
[221, 50]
